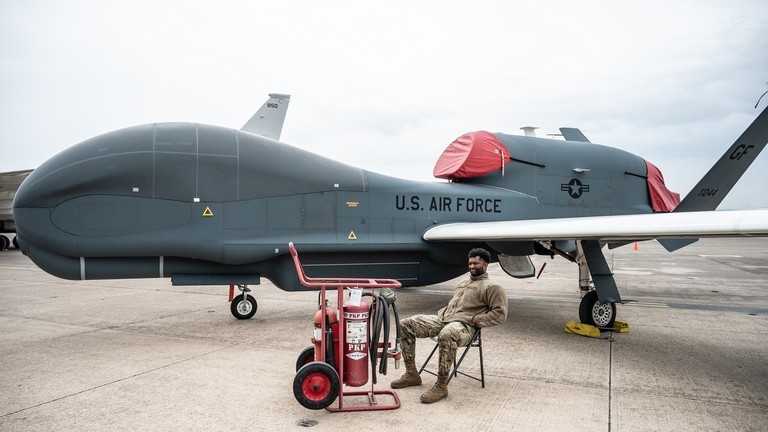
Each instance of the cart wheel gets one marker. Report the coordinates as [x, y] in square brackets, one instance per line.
[316, 385]
[243, 307]
[307, 356]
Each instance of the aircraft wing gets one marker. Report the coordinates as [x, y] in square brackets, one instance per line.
[733, 223]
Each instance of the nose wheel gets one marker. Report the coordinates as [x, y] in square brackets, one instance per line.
[243, 306]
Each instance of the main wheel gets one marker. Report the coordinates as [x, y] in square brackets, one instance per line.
[592, 312]
[243, 306]
[307, 356]
[4, 242]
[316, 385]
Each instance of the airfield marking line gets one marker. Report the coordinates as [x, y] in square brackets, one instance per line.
[709, 400]
[646, 304]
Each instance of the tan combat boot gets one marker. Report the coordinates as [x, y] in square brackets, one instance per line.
[438, 392]
[410, 377]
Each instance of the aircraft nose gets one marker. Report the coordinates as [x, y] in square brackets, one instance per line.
[115, 162]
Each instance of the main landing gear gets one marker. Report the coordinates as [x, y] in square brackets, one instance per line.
[244, 305]
[592, 312]
[594, 275]
[593, 268]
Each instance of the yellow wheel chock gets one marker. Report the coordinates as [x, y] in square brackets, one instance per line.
[620, 327]
[592, 331]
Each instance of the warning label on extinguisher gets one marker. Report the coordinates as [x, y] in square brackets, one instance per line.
[356, 333]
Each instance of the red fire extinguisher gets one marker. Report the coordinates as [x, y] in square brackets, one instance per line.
[355, 331]
[331, 335]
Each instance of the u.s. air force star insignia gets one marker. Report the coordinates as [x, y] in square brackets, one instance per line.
[574, 188]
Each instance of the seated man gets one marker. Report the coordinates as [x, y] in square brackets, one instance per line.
[477, 302]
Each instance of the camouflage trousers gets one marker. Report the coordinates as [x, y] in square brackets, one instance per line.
[450, 336]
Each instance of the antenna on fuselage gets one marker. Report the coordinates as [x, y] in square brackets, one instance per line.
[529, 130]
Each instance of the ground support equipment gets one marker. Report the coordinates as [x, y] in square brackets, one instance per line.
[317, 384]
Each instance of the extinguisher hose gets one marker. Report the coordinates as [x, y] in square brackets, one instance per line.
[377, 314]
[397, 326]
[380, 326]
[383, 362]
[330, 350]
[385, 349]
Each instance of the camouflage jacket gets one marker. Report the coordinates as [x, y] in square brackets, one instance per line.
[476, 297]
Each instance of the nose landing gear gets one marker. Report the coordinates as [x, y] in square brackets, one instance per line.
[244, 305]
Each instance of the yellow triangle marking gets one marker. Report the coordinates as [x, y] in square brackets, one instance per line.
[352, 236]
[207, 212]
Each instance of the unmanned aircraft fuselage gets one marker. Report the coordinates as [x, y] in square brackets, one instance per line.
[206, 205]
[210, 205]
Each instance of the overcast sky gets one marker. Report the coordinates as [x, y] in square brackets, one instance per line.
[386, 86]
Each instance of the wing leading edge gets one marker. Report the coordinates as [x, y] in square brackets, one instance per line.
[735, 223]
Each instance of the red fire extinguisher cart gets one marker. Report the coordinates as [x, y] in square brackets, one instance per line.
[317, 383]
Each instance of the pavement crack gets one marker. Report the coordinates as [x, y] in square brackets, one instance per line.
[610, 376]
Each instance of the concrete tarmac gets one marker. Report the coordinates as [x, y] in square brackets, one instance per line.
[124, 355]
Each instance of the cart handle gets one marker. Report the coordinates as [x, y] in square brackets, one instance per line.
[311, 282]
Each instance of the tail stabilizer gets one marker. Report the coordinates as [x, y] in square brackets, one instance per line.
[710, 191]
[573, 134]
[268, 120]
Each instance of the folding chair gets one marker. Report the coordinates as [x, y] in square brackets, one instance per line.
[476, 342]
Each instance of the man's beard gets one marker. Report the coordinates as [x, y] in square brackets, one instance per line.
[476, 272]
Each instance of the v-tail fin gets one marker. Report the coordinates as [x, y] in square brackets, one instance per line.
[268, 120]
[710, 191]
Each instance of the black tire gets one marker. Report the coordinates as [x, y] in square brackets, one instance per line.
[316, 385]
[16, 242]
[243, 307]
[307, 356]
[4, 242]
[592, 312]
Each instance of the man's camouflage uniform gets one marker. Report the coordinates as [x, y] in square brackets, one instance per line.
[477, 298]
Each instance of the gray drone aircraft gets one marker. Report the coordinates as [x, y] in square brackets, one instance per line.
[207, 205]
